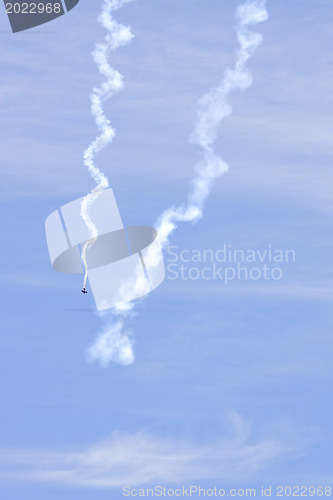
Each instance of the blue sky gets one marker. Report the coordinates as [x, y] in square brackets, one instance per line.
[231, 385]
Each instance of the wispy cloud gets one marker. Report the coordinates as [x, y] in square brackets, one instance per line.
[138, 459]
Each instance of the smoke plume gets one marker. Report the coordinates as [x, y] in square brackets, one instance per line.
[115, 342]
[117, 35]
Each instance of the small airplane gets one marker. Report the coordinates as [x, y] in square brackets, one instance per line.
[84, 290]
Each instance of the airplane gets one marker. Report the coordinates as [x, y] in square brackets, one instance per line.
[84, 291]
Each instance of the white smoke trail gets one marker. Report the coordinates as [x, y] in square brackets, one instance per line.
[114, 343]
[117, 36]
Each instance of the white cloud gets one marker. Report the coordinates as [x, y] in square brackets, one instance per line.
[138, 459]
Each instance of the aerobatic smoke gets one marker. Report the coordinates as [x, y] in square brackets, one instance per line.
[115, 344]
[117, 36]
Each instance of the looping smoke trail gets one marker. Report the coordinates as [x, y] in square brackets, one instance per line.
[114, 344]
[117, 36]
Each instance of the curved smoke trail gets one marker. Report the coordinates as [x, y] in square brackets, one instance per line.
[117, 36]
[213, 108]
[114, 343]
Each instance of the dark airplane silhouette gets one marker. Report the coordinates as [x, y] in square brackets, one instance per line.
[84, 290]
